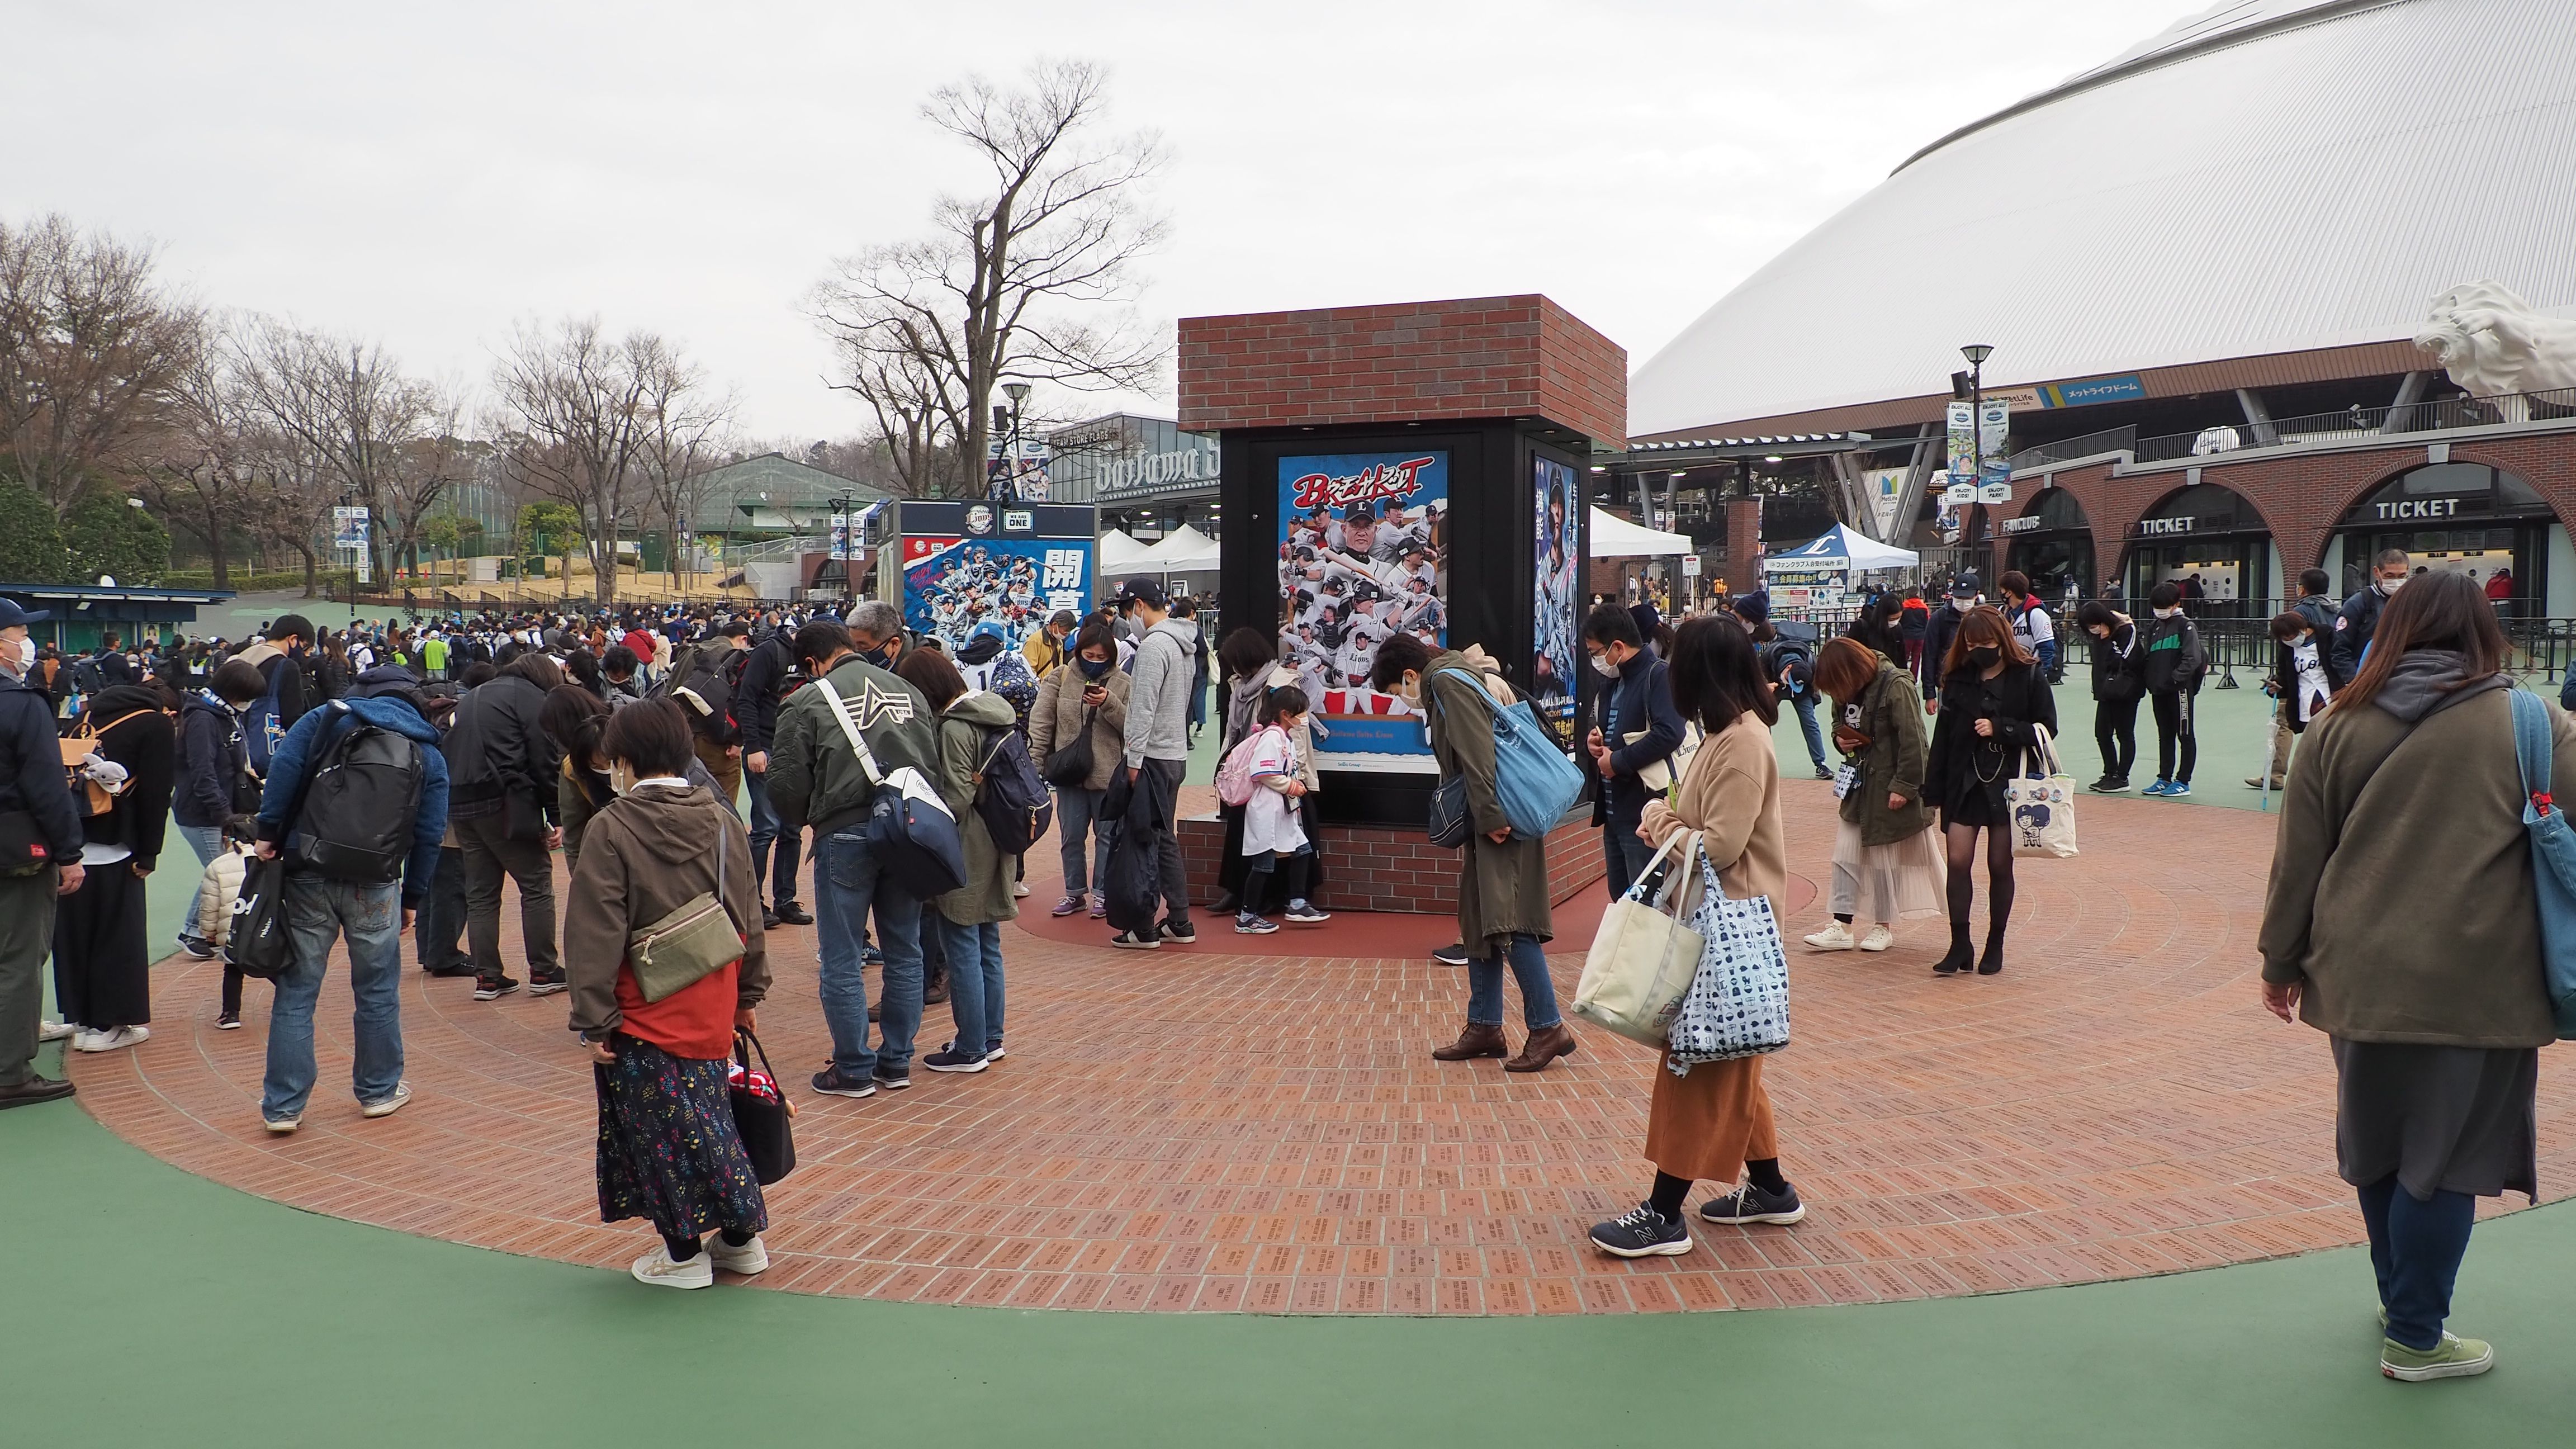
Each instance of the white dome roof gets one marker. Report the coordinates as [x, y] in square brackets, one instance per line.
[2266, 177]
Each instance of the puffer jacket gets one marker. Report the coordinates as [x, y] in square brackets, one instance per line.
[1058, 717]
[220, 887]
[965, 737]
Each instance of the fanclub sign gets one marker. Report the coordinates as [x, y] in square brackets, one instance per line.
[1376, 481]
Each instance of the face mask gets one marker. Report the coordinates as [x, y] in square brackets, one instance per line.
[1984, 658]
[1093, 668]
[2388, 587]
[1603, 666]
[1409, 689]
[26, 654]
[881, 656]
[1962, 605]
[621, 778]
[2168, 613]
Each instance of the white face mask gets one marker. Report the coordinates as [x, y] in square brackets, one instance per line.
[2168, 613]
[2388, 587]
[1962, 605]
[1604, 665]
[1409, 689]
[25, 654]
[621, 778]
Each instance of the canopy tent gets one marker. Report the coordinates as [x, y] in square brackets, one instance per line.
[1117, 552]
[1183, 550]
[1615, 537]
[1840, 548]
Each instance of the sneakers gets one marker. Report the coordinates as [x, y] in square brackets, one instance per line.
[228, 1021]
[2158, 788]
[2177, 789]
[495, 990]
[750, 1258]
[895, 1082]
[1878, 939]
[2110, 785]
[953, 1060]
[1019, 890]
[794, 915]
[831, 1083]
[2452, 1358]
[548, 985]
[283, 1126]
[770, 920]
[1250, 925]
[115, 1038]
[1183, 934]
[1643, 1233]
[1822, 773]
[1303, 914]
[992, 1053]
[390, 1105]
[1070, 905]
[657, 1270]
[2256, 782]
[56, 1031]
[200, 950]
[1100, 908]
[1130, 941]
[1750, 1204]
[1834, 937]
[1451, 955]
[445, 973]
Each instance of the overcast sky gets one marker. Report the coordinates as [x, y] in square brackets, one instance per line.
[428, 175]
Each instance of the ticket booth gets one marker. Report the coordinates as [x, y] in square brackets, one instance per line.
[2211, 534]
[2464, 517]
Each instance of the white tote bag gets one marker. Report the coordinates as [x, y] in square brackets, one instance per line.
[2041, 802]
[1642, 959]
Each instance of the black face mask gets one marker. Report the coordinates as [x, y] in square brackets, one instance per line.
[1094, 668]
[881, 656]
[1984, 659]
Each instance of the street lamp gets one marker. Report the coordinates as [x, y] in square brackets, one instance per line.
[1018, 392]
[844, 547]
[1977, 353]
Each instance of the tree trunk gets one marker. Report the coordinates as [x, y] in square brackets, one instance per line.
[312, 570]
[215, 545]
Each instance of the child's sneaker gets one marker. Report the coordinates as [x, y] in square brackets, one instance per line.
[2158, 788]
[1306, 915]
[2177, 789]
[1249, 924]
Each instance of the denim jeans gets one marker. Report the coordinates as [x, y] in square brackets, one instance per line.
[208, 842]
[974, 981]
[1529, 966]
[2415, 1248]
[317, 912]
[1804, 702]
[1077, 814]
[848, 885]
[1625, 855]
[441, 924]
[766, 829]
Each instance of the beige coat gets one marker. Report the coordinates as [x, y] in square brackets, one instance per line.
[1731, 796]
[1058, 713]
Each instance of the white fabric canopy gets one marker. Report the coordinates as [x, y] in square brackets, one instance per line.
[1841, 547]
[1116, 551]
[1183, 550]
[1616, 537]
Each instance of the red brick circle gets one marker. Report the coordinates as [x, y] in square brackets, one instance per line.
[1198, 1129]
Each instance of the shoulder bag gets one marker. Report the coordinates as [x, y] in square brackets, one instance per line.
[688, 945]
[2553, 857]
[1643, 958]
[911, 831]
[1738, 1004]
[1535, 781]
[2040, 801]
[1068, 765]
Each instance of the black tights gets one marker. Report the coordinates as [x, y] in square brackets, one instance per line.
[1670, 1190]
[1962, 842]
[683, 1249]
[1256, 879]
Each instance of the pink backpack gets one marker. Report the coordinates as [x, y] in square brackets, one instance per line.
[1234, 776]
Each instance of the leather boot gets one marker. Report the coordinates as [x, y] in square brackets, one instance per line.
[1475, 1041]
[1544, 1045]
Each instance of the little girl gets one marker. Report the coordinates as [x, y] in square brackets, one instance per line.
[1271, 832]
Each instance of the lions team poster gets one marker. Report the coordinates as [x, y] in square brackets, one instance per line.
[1363, 555]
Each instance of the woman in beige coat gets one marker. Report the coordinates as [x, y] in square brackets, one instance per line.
[1089, 693]
[1716, 1118]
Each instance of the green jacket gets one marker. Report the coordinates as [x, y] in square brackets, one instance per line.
[1502, 889]
[965, 737]
[814, 778]
[1890, 713]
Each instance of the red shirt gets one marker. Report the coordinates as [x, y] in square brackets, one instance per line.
[695, 1021]
[641, 643]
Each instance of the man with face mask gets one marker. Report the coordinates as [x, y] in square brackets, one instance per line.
[2360, 617]
[1635, 728]
[2174, 665]
[1965, 591]
[39, 826]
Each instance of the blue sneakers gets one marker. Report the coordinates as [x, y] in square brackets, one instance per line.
[2160, 787]
[2177, 789]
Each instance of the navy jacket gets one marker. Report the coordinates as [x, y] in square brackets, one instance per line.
[31, 768]
[1640, 699]
[2353, 626]
[213, 755]
[312, 738]
[1944, 626]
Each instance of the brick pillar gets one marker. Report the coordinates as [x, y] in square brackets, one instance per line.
[1743, 545]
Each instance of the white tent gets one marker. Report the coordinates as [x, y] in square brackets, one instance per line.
[1117, 552]
[1840, 548]
[1183, 550]
[1616, 537]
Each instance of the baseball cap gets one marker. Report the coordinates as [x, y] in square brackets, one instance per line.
[1965, 586]
[11, 616]
[1143, 591]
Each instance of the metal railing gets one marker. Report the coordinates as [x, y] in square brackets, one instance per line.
[2109, 440]
[2541, 649]
[2361, 425]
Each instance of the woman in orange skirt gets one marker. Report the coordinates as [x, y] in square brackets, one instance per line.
[1713, 1121]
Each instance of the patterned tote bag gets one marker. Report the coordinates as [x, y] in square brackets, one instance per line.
[1738, 1004]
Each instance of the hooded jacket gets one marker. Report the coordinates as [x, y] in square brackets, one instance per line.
[312, 738]
[1059, 716]
[645, 855]
[214, 756]
[136, 734]
[1158, 708]
[495, 747]
[965, 737]
[814, 777]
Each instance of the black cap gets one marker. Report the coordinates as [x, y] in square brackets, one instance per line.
[1143, 591]
[1965, 586]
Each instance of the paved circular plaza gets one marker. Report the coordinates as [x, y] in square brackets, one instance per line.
[1212, 1130]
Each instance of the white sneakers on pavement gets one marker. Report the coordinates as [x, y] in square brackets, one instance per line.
[1878, 939]
[657, 1270]
[390, 1105]
[750, 1258]
[55, 1031]
[1834, 937]
[115, 1038]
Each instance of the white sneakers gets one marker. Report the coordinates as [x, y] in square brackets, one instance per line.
[390, 1105]
[282, 1126]
[657, 1270]
[115, 1038]
[1838, 937]
[55, 1030]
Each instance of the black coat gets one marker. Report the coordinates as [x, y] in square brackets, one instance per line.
[138, 736]
[31, 768]
[214, 755]
[1965, 773]
[495, 748]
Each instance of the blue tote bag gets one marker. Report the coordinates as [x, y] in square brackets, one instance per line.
[1536, 781]
[2553, 857]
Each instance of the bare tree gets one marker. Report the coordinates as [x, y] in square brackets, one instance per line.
[581, 419]
[204, 464]
[90, 345]
[388, 439]
[1010, 284]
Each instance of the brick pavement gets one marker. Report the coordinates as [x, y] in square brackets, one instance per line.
[1204, 1130]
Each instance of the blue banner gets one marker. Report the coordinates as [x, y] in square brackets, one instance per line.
[954, 588]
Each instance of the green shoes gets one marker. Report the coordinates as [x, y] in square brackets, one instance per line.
[2452, 1358]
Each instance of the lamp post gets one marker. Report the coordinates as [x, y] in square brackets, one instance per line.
[1977, 353]
[844, 547]
[1019, 395]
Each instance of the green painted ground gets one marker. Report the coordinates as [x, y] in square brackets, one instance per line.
[148, 1307]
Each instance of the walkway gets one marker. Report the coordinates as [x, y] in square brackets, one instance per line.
[1209, 1130]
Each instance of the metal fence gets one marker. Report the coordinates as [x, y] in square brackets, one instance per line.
[2542, 650]
[2362, 425]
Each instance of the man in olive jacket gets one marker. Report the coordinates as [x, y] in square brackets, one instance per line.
[816, 779]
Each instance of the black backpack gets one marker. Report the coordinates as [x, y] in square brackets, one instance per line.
[359, 805]
[1011, 796]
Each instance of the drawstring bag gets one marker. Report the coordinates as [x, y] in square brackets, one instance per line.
[1738, 1005]
[2040, 802]
[2553, 857]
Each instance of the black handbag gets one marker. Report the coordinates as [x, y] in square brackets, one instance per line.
[1451, 821]
[522, 817]
[258, 944]
[760, 1113]
[24, 851]
[1068, 765]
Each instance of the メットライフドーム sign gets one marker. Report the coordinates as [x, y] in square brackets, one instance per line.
[1362, 556]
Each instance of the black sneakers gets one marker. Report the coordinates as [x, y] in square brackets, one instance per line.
[1451, 955]
[1643, 1233]
[793, 914]
[540, 984]
[2109, 785]
[953, 1060]
[1183, 934]
[495, 990]
[831, 1083]
[1750, 1204]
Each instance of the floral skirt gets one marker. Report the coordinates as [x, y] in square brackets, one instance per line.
[668, 1150]
[1875, 883]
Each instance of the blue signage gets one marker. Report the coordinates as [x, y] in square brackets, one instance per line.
[2091, 390]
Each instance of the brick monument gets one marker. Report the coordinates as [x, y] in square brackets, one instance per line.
[1418, 467]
